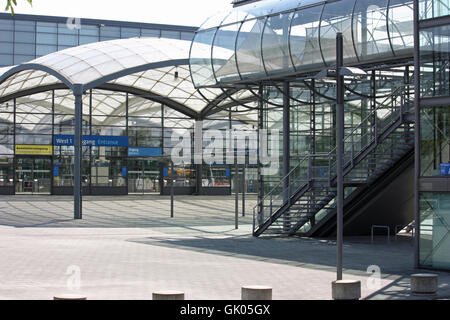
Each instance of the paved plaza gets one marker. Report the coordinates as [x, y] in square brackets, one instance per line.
[127, 247]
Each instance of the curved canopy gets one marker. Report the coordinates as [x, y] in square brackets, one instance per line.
[156, 69]
[274, 38]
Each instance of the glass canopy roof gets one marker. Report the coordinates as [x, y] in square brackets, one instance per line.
[273, 38]
[155, 69]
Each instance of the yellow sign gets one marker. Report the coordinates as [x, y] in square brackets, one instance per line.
[35, 150]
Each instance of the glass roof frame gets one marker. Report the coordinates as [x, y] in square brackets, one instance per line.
[125, 65]
[232, 48]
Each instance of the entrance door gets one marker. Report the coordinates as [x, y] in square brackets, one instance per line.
[33, 175]
[143, 176]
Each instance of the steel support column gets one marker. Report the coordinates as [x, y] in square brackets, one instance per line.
[236, 190]
[417, 133]
[243, 190]
[260, 142]
[78, 93]
[339, 149]
[286, 150]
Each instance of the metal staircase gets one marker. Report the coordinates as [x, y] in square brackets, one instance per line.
[305, 198]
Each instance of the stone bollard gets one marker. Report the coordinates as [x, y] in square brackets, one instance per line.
[346, 289]
[168, 295]
[70, 296]
[424, 283]
[256, 293]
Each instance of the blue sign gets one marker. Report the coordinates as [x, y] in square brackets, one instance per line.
[124, 171]
[166, 172]
[445, 169]
[144, 152]
[91, 141]
[228, 172]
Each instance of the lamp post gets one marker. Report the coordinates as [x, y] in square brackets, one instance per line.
[339, 74]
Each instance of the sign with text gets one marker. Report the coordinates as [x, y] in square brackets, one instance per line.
[34, 150]
[92, 141]
[144, 152]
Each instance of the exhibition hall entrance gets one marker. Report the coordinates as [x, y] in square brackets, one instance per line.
[33, 175]
[144, 176]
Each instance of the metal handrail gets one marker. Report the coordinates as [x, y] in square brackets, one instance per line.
[329, 154]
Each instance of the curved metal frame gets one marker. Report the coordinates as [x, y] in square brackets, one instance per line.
[291, 14]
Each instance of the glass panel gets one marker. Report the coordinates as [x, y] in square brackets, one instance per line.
[24, 37]
[248, 48]
[170, 34]
[46, 38]
[434, 247]
[18, 59]
[187, 36]
[144, 176]
[67, 40]
[24, 48]
[33, 175]
[224, 59]
[304, 38]
[6, 60]
[337, 17]
[275, 46]
[110, 32]
[434, 61]
[42, 50]
[130, 33]
[434, 140]
[200, 59]
[153, 33]
[87, 30]
[401, 26]
[21, 25]
[369, 29]
[48, 27]
[6, 48]
[7, 36]
[6, 24]
[433, 8]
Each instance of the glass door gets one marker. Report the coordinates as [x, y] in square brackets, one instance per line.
[143, 176]
[33, 175]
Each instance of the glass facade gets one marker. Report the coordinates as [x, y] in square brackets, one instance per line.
[429, 9]
[24, 37]
[434, 240]
[434, 151]
[37, 157]
[435, 140]
[435, 61]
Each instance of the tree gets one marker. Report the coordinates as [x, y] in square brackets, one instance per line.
[11, 3]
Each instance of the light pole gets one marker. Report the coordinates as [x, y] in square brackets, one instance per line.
[339, 74]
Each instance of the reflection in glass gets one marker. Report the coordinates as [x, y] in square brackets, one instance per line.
[434, 247]
[434, 140]
[434, 61]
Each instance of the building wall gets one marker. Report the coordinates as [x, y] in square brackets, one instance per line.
[27, 37]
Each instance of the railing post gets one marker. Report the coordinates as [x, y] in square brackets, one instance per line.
[271, 206]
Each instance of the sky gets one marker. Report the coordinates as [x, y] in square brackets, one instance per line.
[179, 12]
